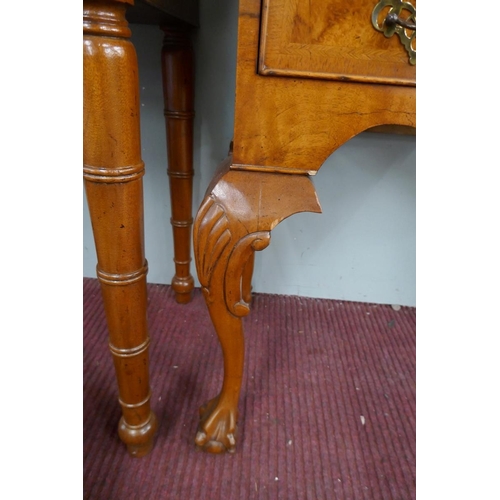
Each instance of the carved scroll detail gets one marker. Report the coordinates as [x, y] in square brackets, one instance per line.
[213, 234]
[234, 274]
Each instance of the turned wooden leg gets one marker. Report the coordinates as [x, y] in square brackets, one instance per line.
[235, 220]
[113, 171]
[178, 93]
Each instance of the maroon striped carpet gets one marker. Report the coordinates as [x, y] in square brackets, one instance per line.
[327, 409]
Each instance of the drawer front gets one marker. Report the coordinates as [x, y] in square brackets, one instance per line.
[333, 40]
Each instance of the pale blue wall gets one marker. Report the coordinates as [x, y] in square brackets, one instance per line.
[363, 245]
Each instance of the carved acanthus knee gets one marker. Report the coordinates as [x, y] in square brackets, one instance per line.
[235, 220]
[222, 241]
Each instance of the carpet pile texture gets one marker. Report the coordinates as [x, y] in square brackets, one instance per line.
[327, 409]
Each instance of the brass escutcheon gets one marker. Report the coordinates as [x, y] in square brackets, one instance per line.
[393, 23]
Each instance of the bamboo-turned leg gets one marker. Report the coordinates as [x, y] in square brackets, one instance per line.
[178, 93]
[113, 171]
[235, 220]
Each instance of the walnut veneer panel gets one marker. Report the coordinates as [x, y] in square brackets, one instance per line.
[332, 39]
[292, 125]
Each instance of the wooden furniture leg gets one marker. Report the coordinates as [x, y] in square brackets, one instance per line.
[235, 220]
[246, 283]
[113, 171]
[178, 92]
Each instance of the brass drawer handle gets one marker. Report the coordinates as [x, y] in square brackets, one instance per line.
[393, 19]
[393, 23]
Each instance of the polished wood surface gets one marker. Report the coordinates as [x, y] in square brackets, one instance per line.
[285, 127]
[293, 125]
[331, 40]
[113, 171]
[178, 92]
[113, 183]
[234, 221]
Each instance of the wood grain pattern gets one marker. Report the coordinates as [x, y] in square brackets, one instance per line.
[234, 221]
[178, 94]
[293, 125]
[283, 125]
[113, 171]
[332, 40]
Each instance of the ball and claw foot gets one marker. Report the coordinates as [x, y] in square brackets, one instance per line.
[217, 428]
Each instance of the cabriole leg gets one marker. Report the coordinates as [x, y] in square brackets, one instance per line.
[235, 220]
